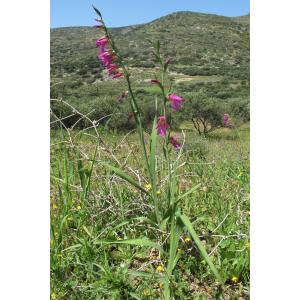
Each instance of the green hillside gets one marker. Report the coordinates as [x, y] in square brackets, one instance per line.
[209, 44]
[209, 59]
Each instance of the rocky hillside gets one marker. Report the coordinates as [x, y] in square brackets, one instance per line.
[198, 44]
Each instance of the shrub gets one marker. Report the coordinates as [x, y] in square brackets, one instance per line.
[205, 113]
[240, 109]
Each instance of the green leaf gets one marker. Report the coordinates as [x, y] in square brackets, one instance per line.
[152, 155]
[126, 177]
[158, 46]
[87, 185]
[136, 242]
[80, 169]
[74, 247]
[146, 220]
[177, 230]
[134, 296]
[193, 189]
[86, 230]
[97, 12]
[201, 248]
[143, 274]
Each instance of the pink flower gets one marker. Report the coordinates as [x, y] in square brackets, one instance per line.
[118, 75]
[227, 120]
[106, 58]
[175, 143]
[176, 101]
[112, 68]
[102, 50]
[162, 126]
[155, 81]
[102, 42]
[98, 26]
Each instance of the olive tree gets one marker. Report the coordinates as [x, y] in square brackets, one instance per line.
[205, 113]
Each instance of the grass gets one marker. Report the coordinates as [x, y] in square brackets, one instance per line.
[184, 78]
[90, 206]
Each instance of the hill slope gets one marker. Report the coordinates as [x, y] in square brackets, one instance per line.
[198, 44]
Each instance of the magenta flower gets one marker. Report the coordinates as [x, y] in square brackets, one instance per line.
[175, 143]
[112, 68]
[101, 50]
[102, 42]
[98, 26]
[162, 126]
[118, 75]
[106, 58]
[227, 120]
[176, 101]
[155, 81]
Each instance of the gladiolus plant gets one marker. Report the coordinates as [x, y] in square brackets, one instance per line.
[167, 213]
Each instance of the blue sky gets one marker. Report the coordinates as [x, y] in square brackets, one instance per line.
[121, 13]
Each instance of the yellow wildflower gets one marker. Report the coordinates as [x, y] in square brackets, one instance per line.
[160, 268]
[248, 245]
[78, 207]
[187, 239]
[234, 279]
[119, 239]
[55, 206]
[146, 292]
[158, 193]
[53, 296]
[148, 187]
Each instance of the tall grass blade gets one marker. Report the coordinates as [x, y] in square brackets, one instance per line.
[126, 177]
[137, 242]
[193, 189]
[80, 169]
[185, 220]
[88, 183]
[152, 154]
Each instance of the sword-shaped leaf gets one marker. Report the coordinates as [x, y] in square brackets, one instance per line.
[126, 177]
[198, 243]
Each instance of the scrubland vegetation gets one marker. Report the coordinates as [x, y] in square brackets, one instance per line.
[147, 221]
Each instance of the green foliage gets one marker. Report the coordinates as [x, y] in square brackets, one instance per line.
[240, 108]
[114, 199]
[198, 44]
[107, 271]
[206, 114]
[217, 65]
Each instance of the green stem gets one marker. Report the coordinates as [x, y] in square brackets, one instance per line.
[137, 117]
